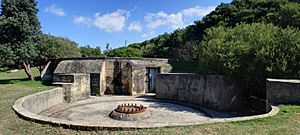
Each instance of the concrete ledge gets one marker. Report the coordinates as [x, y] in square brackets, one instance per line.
[23, 112]
[283, 91]
[111, 58]
[284, 80]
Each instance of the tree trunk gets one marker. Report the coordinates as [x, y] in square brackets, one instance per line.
[28, 70]
[41, 68]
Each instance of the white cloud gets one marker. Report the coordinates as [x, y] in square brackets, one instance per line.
[110, 22]
[197, 11]
[155, 20]
[116, 21]
[54, 9]
[175, 20]
[82, 20]
[135, 26]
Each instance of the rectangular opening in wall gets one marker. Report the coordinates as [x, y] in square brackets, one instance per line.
[151, 78]
[95, 84]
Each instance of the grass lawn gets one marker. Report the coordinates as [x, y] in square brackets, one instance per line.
[15, 85]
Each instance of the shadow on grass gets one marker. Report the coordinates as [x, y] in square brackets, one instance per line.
[14, 81]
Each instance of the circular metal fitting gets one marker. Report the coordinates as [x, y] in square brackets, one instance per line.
[130, 108]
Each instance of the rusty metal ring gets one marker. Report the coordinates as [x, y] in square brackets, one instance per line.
[130, 108]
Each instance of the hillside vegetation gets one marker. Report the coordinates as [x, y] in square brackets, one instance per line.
[248, 39]
[182, 44]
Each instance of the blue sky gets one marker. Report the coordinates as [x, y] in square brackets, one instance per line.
[97, 22]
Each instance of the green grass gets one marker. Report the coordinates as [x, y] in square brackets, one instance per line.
[15, 85]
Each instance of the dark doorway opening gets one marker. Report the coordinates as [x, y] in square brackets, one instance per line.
[95, 84]
[151, 79]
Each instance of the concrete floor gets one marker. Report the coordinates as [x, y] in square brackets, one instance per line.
[95, 111]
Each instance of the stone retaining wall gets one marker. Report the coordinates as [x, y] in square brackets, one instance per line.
[216, 92]
[283, 91]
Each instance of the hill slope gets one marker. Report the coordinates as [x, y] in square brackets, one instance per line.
[182, 43]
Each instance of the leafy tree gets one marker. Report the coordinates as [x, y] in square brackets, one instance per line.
[20, 28]
[124, 52]
[54, 47]
[87, 51]
[107, 48]
[251, 53]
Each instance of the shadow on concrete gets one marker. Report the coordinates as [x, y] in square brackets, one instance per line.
[172, 105]
[205, 111]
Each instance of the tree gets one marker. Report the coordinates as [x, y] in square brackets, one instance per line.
[54, 47]
[124, 52]
[87, 51]
[20, 28]
[107, 48]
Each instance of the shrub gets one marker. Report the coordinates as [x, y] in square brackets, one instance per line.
[251, 53]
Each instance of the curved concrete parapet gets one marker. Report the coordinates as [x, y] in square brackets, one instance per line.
[32, 107]
[217, 92]
[39, 102]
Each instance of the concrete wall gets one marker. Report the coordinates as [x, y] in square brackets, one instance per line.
[79, 66]
[139, 71]
[137, 85]
[78, 89]
[111, 71]
[39, 102]
[215, 92]
[283, 91]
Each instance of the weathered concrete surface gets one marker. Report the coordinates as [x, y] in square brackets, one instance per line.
[283, 91]
[216, 92]
[76, 86]
[126, 76]
[39, 102]
[93, 113]
[129, 75]
[79, 66]
[162, 113]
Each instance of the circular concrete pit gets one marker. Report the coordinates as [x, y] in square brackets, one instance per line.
[95, 112]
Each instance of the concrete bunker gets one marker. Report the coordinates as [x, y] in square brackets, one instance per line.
[85, 77]
[118, 76]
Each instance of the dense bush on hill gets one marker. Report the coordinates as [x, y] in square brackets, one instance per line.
[182, 43]
[251, 53]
